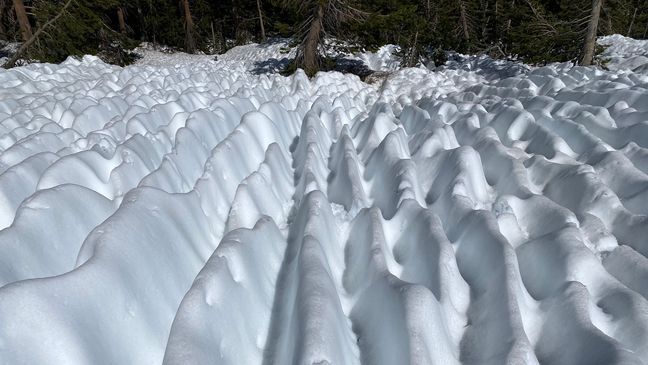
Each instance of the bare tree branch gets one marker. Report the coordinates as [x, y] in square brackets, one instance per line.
[23, 48]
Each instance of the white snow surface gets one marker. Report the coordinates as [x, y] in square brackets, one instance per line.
[384, 59]
[271, 56]
[189, 211]
[623, 53]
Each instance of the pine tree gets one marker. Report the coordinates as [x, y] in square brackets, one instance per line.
[322, 16]
[190, 42]
[465, 20]
[590, 37]
[536, 30]
[23, 21]
[3, 30]
[34, 37]
[121, 20]
[263, 35]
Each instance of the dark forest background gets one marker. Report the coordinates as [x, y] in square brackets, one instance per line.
[533, 30]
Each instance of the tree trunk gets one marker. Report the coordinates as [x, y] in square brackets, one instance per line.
[23, 48]
[435, 18]
[632, 22]
[21, 16]
[463, 18]
[484, 25]
[263, 35]
[412, 57]
[2, 13]
[590, 37]
[508, 22]
[496, 20]
[310, 59]
[142, 22]
[190, 42]
[214, 45]
[120, 18]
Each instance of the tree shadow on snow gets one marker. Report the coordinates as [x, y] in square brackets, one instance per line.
[352, 66]
[272, 41]
[270, 66]
[339, 64]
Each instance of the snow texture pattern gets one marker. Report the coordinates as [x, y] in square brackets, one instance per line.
[192, 212]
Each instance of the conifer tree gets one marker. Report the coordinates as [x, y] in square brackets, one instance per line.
[121, 19]
[23, 21]
[190, 42]
[263, 35]
[322, 16]
[537, 31]
[590, 37]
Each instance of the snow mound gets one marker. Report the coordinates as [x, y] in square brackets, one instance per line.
[185, 210]
[384, 59]
[623, 53]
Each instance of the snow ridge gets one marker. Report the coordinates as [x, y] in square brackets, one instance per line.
[199, 213]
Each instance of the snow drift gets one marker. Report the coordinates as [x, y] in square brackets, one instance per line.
[192, 212]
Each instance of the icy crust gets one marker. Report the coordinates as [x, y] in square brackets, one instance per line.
[197, 213]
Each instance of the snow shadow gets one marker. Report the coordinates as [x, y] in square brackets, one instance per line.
[271, 65]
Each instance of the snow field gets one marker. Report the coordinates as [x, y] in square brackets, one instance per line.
[193, 212]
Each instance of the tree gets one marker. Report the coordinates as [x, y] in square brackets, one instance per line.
[464, 19]
[634, 16]
[263, 35]
[590, 36]
[23, 21]
[23, 48]
[322, 16]
[120, 19]
[536, 31]
[2, 14]
[458, 25]
[190, 42]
